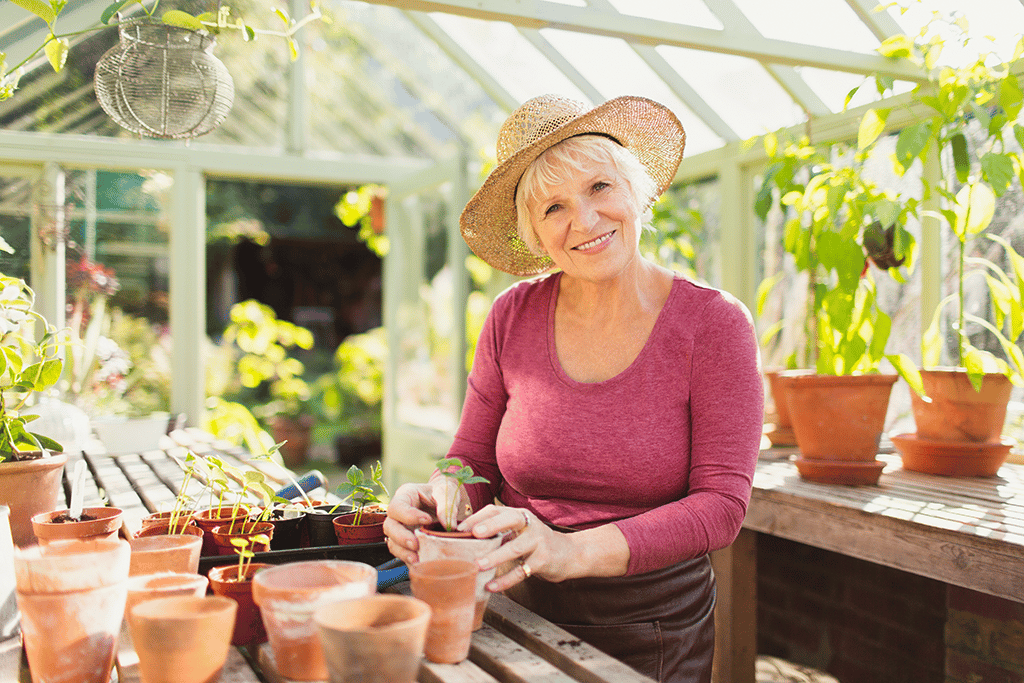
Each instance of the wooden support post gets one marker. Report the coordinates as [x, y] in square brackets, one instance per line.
[736, 610]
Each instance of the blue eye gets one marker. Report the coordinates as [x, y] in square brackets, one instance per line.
[600, 185]
[551, 209]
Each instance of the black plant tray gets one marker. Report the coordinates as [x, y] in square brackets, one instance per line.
[372, 554]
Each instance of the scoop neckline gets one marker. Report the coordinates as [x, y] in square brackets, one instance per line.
[556, 365]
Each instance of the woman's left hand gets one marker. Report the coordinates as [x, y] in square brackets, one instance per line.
[536, 549]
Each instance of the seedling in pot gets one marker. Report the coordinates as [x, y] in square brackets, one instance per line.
[462, 475]
[360, 490]
[245, 555]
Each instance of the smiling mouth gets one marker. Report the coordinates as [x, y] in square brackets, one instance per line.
[594, 242]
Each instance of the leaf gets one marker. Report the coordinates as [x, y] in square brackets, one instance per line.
[281, 14]
[975, 206]
[4, 246]
[175, 17]
[908, 371]
[911, 142]
[764, 289]
[39, 8]
[961, 160]
[997, 169]
[113, 9]
[849, 96]
[293, 49]
[871, 126]
[57, 52]
[896, 47]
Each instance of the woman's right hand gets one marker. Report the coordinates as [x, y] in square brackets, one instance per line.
[415, 505]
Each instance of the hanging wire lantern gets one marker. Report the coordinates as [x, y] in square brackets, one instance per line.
[163, 81]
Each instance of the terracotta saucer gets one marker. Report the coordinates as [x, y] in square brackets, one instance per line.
[780, 435]
[846, 472]
[952, 458]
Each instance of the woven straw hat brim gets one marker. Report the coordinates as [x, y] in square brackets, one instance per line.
[646, 128]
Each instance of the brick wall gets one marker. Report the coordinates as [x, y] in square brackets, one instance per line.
[860, 622]
[984, 638]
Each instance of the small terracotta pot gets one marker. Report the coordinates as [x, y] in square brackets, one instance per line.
[436, 544]
[288, 594]
[96, 523]
[182, 639]
[72, 596]
[449, 587]
[164, 585]
[376, 639]
[153, 518]
[248, 628]
[838, 421]
[954, 411]
[370, 529]
[209, 519]
[222, 537]
[320, 524]
[29, 487]
[165, 553]
[164, 529]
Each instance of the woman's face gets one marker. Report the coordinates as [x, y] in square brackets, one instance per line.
[589, 225]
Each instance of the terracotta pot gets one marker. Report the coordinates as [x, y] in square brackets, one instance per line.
[954, 411]
[436, 544]
[248, 629]
[449, 587]
[182, 639]
[320, 524]
[838, 421]
[96, 523]
[163, 518]
[288, 594]
[780, 433]
[8, 601]
[29, 487]
[72, 596]
[209, 519]
[296, 433]
[164, 585]
[950, 458]
[369, 530]
[165, 553]
[376, 639]
[164, 529]
[222, 537]
[288, 531]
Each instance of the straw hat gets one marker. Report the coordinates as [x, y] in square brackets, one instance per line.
[647, 129]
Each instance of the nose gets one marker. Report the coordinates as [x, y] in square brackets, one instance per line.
[586, 216]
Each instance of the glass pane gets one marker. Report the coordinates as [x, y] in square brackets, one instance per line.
[826, 23]
[999, 19]
[686, 233]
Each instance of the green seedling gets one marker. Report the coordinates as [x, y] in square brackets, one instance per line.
[462, 475]
[360, 490]
[245, 553]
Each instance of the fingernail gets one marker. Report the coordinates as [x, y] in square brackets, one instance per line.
[485, 531]
[483, 564]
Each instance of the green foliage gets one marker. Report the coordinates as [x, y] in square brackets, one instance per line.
[356, 208]
[27, 365]
[678, 227]
[362, 490]
[462, 475]
[350, 395]
[245, 552]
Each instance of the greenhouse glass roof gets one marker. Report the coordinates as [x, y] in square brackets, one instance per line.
[422, 78]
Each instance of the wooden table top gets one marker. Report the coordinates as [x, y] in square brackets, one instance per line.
[967, 531]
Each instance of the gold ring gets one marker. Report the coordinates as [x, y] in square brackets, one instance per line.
[526, 520]
[527, 572]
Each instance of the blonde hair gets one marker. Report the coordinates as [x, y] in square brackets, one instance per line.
[573, 155]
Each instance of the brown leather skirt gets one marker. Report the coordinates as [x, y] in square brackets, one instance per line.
[660, 623]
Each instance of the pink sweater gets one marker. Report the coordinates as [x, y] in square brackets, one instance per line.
[665, 450]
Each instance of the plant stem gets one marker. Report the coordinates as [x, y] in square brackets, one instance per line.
[960, 294]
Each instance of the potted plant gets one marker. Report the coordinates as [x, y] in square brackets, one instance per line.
[446, 542]
[366, 523]
[235, 581]
[970, 114]
[834, 217]
[31, 464]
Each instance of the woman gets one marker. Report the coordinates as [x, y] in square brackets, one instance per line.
[614, 406]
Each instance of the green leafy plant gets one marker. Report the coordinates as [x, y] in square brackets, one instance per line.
[362, 490]
[984, 94]
[57, 45]
[350, 395]
[28, 364]
[462, 475]
[245, 553]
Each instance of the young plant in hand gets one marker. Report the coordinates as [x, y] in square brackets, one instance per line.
[461, 475]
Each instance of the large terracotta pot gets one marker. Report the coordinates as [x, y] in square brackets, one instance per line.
[838, 421]
[164, 585]
[449, 587]
[369, 530]
[435, 544]
[289, 594]
[248, 628]
[183, 639]
[953, 411]
[72, 596]
[165, 553]
[223, 537]
[96, 523]
[29, 487]
[376, 639]
[780, 433]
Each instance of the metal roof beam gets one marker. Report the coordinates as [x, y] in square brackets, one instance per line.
[539, 14]
[450, 47]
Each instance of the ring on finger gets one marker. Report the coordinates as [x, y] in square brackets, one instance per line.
[527, 572]
[526, 520]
